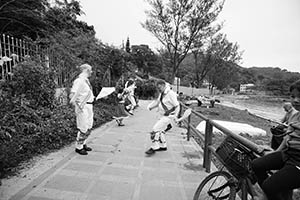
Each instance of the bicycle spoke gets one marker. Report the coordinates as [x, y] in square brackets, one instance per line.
[217, 186]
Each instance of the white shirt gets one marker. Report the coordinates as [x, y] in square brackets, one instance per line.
[130, 89]
[169, 100]
[82, 91]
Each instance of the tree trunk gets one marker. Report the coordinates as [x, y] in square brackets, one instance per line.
[196, 67]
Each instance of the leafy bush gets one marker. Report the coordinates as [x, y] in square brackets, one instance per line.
[26, 132]
[33, 82]
[146, 89]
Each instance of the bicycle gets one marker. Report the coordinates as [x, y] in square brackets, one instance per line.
[236, 181]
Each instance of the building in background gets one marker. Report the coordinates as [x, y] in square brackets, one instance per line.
[247, 87]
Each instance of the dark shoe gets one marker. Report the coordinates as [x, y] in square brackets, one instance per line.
[120, 124]
[130, 112]
[81, 151]
[168, 127]
[162, 149]
[150, 151]
[87, 148]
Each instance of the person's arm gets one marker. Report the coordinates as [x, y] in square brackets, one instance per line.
[283, 143]
[74, 91]
[177, 109]
[77, 86]
[153, 105]
[71, 97]
[295, 125]
[284, 119]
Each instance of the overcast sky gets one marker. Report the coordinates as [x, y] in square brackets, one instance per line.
[267, 30]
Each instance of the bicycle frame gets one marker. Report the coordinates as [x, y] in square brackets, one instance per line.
[236, 180]
[243, 187]
[231, 182]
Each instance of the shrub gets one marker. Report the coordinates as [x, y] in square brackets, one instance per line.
[26, 132]
[146, 89]
[33, 82]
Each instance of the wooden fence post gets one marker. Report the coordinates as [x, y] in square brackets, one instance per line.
[189, 128]
[207, 143]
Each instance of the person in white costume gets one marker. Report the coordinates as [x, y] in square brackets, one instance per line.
[82, 98]
[169, 108]
[129, 89]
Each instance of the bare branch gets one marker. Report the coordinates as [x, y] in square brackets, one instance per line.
[6, 4]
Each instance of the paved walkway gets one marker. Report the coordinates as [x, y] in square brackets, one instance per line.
[118, 168]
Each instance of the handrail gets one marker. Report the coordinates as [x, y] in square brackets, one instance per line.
[207, 139]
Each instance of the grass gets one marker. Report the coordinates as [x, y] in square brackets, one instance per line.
[225, 113]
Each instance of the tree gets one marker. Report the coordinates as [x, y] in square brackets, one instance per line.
[145, 59]
[37, 19]
[223, 75]
[127, 48]
[178, 23]
[198, 49]
[23, 18]
[277, 86]
[63, 17]
[220, 52]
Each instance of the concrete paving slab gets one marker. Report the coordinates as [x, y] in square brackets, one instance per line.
[118, 167]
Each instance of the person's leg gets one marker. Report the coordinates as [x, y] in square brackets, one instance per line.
[121, 122]
[123, 113]
[132, 104]
[265, 163]
[90, 121]
[162, 141]
[80, 139]
[83, 127]
[132, 100]
[275, 142]
[127, 105]
[158, 128]
[277, 186]
[90, 115]
[169, 126]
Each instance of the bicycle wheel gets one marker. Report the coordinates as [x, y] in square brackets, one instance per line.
[216, 186]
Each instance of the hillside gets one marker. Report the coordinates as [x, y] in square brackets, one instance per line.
[272, 72]
[274, 80]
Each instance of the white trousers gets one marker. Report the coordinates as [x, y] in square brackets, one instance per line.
[84, 121]
[132, 100]
[158, 132]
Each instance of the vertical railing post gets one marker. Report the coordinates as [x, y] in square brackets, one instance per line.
[1, 53]
[9, 64]
[21, 56]
[5, 54]
[207, 143]
[180, 113]
[189, 128]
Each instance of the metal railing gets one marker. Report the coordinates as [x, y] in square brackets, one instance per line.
[207, 138]
[14, 51]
